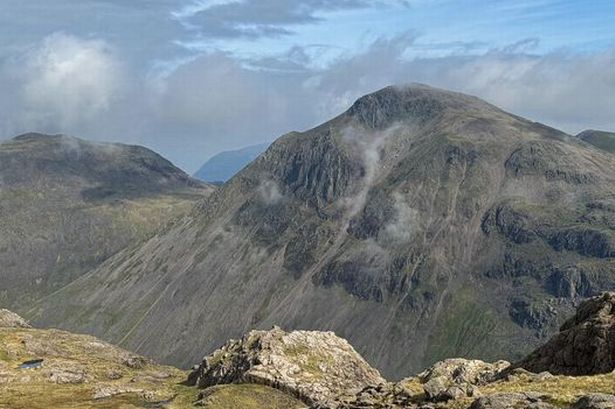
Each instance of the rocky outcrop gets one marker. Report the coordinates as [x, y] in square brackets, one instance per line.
[9, 319]
[595, 401]
[585, 344]
[457, 378]
[512, 401]
[386, 395]
[312, 366]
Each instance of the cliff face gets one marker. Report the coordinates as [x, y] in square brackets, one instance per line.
[421, 224]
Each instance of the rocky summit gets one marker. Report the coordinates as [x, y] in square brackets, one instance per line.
[421, 224]
[312, 366]
[585, 344]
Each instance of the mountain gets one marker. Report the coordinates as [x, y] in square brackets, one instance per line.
[421, 224]
[67, 204]
[600, 139]
[225, 165]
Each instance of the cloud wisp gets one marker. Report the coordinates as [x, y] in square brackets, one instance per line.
[261, 18]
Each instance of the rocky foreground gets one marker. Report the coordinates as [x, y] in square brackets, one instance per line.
[306, 369]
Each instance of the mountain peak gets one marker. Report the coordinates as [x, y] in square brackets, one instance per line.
[410, 102]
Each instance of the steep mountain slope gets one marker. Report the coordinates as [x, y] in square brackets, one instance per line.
[421, 224]
[67, 204]
[225, 165]
[600, 139]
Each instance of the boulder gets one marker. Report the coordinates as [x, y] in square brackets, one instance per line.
[585, 344]
[310, 365]
[595, 401]
[60, 376]
[389, 396]
[9, 319]
[512, 401]
[457, 378]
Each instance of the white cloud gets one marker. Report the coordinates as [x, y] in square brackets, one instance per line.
[67, 81]
[270, 192]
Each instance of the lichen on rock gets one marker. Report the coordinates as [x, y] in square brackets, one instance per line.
[310, 365]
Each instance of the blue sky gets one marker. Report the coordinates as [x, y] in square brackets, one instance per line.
[192, 77]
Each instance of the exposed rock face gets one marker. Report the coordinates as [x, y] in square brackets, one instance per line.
[585, 344]
[313, 366]
[456, 378]
[9, 319]
[430, 218]
[512, 401]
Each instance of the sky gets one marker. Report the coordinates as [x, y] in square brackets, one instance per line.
[191, 78]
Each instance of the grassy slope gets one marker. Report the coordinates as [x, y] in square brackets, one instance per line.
[144, 386]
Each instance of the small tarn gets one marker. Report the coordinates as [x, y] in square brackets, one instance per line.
[33, 364]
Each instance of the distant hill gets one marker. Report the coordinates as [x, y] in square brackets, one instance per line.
[225, 165]
[600, 139]
[67, 204]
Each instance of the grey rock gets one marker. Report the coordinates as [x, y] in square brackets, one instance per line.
[585, 344]
[310, 365]
[457, 378]
[512, 401]
[595, 401]
[61, 376]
